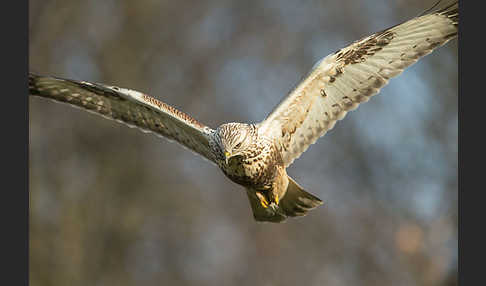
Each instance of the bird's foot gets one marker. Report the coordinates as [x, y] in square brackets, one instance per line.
[268, 200]
[263, 200]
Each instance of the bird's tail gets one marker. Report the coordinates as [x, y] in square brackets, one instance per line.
[295, 202]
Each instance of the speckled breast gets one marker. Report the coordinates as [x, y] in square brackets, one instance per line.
[256, 171]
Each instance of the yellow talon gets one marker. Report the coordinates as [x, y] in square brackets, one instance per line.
[276, 199]
[263, 200]
[264, 203]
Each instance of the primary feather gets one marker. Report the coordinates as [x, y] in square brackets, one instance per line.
[350, 76]
[130, 107]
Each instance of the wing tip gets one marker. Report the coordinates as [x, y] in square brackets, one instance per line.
[451, 12]
[439, 7]
[32, 83]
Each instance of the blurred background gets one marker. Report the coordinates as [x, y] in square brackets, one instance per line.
[110, 205]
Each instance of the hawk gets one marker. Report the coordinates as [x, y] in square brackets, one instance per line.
[256, 155]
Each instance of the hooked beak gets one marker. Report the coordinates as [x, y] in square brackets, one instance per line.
[227, 156]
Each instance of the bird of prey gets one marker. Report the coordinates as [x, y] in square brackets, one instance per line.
[256, 155]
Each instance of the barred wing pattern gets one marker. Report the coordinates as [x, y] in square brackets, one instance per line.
[341, 81]
[130, 107]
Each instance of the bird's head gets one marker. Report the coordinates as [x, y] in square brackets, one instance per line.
[234, 139]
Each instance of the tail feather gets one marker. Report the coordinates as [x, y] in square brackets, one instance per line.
[295, 202]
[298, 202]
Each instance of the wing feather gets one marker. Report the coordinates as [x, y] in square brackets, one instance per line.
[130, 107]
[343, 80]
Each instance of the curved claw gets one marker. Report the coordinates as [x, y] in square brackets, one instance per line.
[263, 200]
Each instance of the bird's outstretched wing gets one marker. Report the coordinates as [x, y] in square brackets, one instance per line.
[341, 81]
[129, 107]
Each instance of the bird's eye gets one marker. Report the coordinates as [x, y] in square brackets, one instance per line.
[238, 145]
